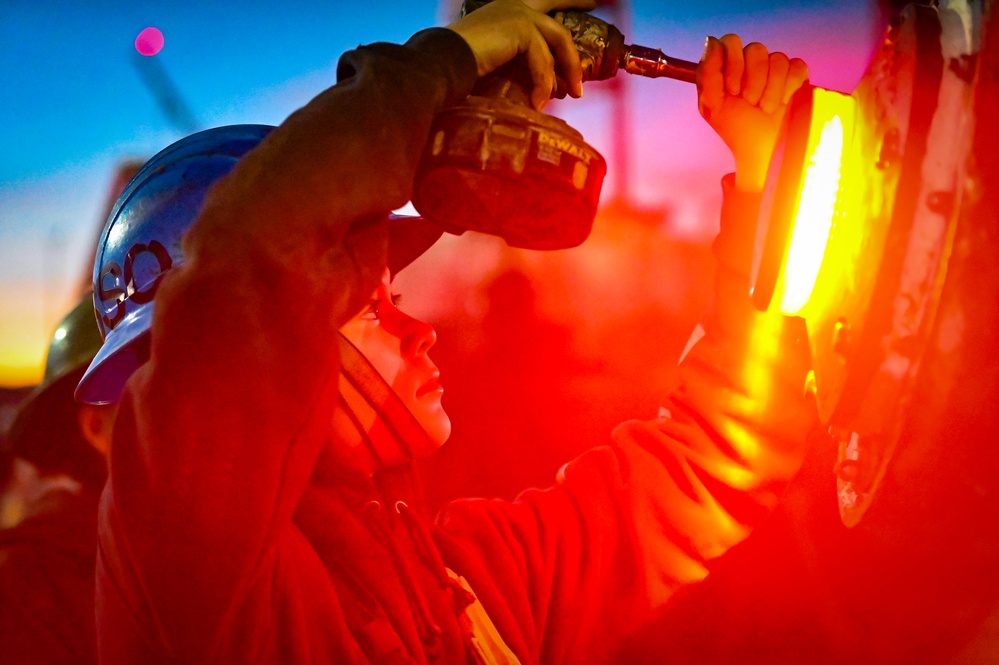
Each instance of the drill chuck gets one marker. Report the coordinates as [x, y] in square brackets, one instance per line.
[602, 52]
[494, 164]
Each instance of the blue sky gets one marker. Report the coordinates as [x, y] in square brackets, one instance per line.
[72, 105]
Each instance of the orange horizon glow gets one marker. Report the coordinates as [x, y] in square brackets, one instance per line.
[23, 363]
[25, 332]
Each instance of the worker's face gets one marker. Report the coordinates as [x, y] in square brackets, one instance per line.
[397, 344]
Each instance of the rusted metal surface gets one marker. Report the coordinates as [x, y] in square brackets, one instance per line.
[868, 342]
[916, 580]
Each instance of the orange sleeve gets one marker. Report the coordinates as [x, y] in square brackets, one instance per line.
[577, 567]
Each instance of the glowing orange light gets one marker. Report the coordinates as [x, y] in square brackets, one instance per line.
[814, 219]
[818, 200]
[149, 42]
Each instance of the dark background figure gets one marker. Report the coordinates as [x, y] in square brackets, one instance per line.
[57, 450]
[596, 332]
[10, 503]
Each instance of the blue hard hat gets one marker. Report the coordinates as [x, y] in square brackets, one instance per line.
[142, 238]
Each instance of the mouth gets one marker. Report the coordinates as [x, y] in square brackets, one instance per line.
[431, 386]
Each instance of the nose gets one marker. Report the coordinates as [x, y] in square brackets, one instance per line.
[417, 337]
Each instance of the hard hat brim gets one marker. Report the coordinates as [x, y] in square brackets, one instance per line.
[127, 346]
[123, 352]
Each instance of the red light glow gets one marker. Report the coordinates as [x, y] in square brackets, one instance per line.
[149, 42]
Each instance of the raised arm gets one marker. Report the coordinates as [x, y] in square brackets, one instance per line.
[577, 567]
[220, 431]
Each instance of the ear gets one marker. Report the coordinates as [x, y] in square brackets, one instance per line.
[96, 423]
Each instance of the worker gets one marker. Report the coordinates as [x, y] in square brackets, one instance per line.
[261, 505]
[47, 557]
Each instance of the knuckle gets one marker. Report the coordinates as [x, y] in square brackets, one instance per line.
[780, 59]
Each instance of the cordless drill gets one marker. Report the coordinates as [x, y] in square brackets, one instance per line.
[494, 164]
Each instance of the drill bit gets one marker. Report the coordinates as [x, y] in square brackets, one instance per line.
[653, 63]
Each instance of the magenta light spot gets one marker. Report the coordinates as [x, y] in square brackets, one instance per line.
[149, 41]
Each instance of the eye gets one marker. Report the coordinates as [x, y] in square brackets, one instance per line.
[371, 313]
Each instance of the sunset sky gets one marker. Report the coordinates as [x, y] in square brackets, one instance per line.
[73, 105]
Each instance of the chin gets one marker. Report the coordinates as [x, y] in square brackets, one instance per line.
[429, 412]
[439, 431]
[436, 424]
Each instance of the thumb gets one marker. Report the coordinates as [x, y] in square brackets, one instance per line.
[710, 80]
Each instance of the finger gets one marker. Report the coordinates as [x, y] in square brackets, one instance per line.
[773, 94]
[710, 82]
[561, 88]
[365, 251]
[734, 65]
[797, 76]
[754, 77]
[541, 64]
[559, 42]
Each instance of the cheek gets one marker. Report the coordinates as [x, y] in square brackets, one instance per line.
[383, 351]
